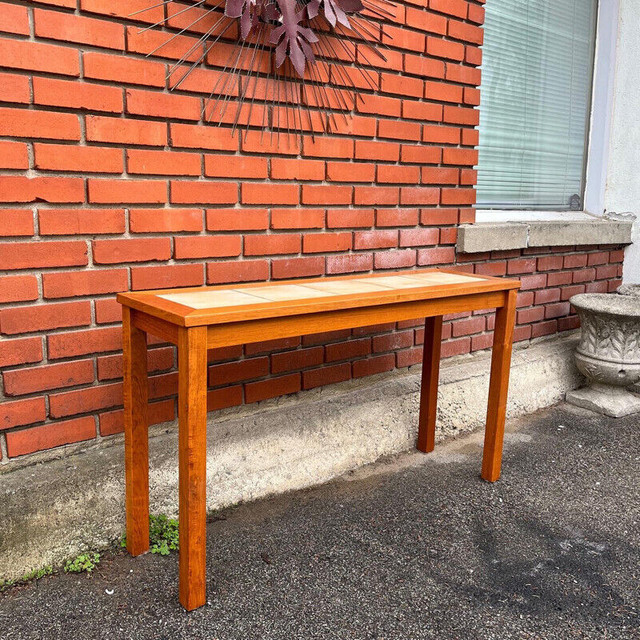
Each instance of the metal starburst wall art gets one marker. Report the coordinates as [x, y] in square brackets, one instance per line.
[292, 66]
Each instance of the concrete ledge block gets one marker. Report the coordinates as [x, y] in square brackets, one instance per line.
[57, 508]
[475, 238]
[487, 236]
[576, 232]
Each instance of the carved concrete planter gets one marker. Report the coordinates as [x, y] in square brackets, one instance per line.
[608, 353]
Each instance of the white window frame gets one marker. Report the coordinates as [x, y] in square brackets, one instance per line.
[599, 130]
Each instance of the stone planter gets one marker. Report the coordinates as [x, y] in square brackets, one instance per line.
[608, 353]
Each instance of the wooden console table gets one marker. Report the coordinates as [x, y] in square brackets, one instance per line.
[203, 318]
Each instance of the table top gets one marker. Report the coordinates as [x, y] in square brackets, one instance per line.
[231, 303]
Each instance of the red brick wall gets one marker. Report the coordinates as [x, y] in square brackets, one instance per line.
[110, 182]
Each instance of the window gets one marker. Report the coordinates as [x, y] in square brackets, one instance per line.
[535, 105]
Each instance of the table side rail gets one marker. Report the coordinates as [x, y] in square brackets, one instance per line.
[248, 331]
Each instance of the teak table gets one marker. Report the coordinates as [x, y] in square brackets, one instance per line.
[203, 318]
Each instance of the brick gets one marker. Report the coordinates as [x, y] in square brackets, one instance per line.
[37, 56]
[109, 8]
[72, 28]
[297, 218]
[419, 237]
[294, 360]
[86, 400]
[398, 130]
[20, 351]
[297, 267]
[464, 31]
[162, 105]
[437, 255]
[272, 244]
[13, 155]
[112, 422]
[457, 8]
[458, 196]
[423, 154]
[34, 255]
[296, 169]
[460, 156]
[392, 341]
[50, 435]
[349, 263]
[41, 189]
[440, 48]
[200, 192]
[121, 131]
[461, 115]
[350, 218]
[375, 239]
[21, 412]
[397, 217]
[376, 195]
[371, 366]
[351, 171]
[202, 137]
[213, 246]
[15, 222]
[326, 194]
[238, 371]
[223, 166]
[131, 250]
[76, 95]
[396, 259]
[326, 375]
[15, 88]
[123, 69]
[163, 163]
[43, 317]
[398, 174]
[326, 147]
[68, 284]
[233, 220]
[126, 191]
[272, 388]
[456, 347]
[23, 123]
[80, 343]
[14, 19]
[165, 220]
[266, 193]
[467, 326]
[423, 66]
[107, 311]
[419, 195]
[18, 288]
[167, 276]
[65, 222]
[57, 157]
[111, 367]
[242, 271]
[326, 242]
[372, 150]
[51, 376]
[348, 350]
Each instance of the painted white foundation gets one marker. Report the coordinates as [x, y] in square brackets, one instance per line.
[622, 193]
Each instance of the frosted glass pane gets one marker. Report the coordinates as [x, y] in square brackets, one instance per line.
[535, 102]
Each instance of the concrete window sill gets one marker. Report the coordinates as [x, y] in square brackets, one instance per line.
[579, 231]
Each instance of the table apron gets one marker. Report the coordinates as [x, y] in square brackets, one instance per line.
[230, 334]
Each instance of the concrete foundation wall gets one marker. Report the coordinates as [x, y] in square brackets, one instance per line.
[52, 511]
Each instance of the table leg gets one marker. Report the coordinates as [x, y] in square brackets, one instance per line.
[136, 440]
[498, 388]
[429, 385]
[192, 417]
